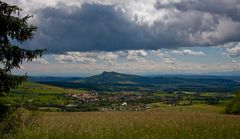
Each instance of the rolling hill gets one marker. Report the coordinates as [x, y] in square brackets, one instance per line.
[30, 87]
[113, 81]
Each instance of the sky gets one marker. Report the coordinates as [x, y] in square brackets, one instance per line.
[145, 37]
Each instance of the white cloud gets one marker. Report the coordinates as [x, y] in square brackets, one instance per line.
[76, 57]
[83, 54]
[168, 60]
[234, 51]
[85, 60]
[234, 61]
[41, 61]
[108, 56]
[158, 53]
[64, 58]
[136, 55]
[188, 52]
[167, 66]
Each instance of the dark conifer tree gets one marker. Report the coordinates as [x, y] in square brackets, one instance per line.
[13, 28]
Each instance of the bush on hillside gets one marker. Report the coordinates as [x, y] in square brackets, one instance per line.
[234, 106]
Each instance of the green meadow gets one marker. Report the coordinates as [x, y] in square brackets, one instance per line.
[41, 95]
[30, 87]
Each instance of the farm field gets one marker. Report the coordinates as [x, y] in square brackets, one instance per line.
[140, 125]
[195, 108]
[30, 87]
[40, 95]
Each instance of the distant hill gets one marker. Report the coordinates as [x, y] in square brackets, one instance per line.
[113, 81]
[51, 79]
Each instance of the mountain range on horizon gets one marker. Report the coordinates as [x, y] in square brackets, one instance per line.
[114, 81]
[151, 74]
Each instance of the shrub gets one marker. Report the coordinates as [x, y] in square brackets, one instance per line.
[234, 106]
[11, 121]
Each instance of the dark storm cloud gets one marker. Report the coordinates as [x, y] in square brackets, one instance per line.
[229, 8]
[91, 27]
[96, 27]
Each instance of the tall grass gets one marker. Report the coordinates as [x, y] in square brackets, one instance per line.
[133, 125]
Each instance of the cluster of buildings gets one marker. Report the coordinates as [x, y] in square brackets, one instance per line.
[124, 97]
[85, 97]
[94, 97]
[115, 102]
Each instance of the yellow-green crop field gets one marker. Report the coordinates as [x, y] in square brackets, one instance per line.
[196, 108]
[133, 125]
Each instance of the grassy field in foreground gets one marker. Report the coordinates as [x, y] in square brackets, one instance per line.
[133, 125]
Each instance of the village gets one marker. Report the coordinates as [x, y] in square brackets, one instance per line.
[122, 101]
[133, 101]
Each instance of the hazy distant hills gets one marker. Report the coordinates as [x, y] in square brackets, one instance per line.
[51, 79]
[113, 81]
